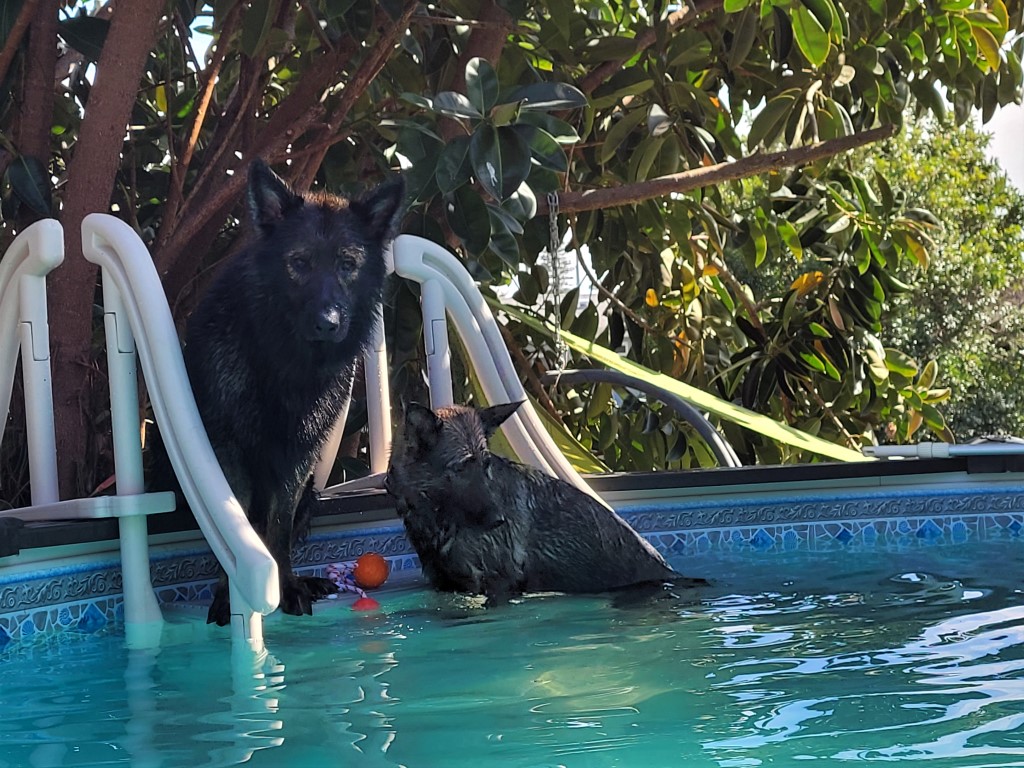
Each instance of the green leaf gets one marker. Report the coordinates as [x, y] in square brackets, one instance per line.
[31, 183]
[877, 368]
[900, 362]
[562, 132]
[928, 375]
[86, 34]
[772, 119]
[812, 360]
[825, 12]
[760, 243]
[618, 133]
[743, 38]
[735, 6]
[915, 46]
[481, 84]
[503, 243]
[455, 105]
[257, 24]
[988, 46]
[467, 215]
[756, 422]
[689, 47]
[500, 159]
[511, 222]
[453, 169]
[503, 114]
[543, 148]
[416, 100]
[546, 97]
[522, 203]
[811, 37]
[791, 238]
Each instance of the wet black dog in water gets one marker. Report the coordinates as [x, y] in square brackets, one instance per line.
[272, 347]
[486, 525]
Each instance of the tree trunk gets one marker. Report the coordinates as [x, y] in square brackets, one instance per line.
[91, 176]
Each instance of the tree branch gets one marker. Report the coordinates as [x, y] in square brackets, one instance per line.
[683, 17]
[132, 35]
[179, 171]
[628, 194]
[36, 118]
[18, 29]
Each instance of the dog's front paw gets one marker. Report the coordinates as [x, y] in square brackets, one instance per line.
[298, 593]
[319, 588]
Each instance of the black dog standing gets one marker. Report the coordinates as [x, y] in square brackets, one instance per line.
[272, 347]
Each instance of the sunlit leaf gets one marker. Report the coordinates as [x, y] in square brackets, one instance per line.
[988, 46]
[791, 238]
[807, 282]
[900, 362]
[928, 374]
[481, 84]
[811, 37]
[547, 97]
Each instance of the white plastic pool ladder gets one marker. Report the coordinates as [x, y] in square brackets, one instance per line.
[136, 320]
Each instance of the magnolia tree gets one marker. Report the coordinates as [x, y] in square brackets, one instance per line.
[684, 146]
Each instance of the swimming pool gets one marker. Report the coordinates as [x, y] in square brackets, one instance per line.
[886, 653]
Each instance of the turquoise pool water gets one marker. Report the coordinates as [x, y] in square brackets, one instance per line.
[840, 657]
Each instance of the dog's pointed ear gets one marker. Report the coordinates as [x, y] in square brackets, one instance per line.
[270, 198]
[382, 208]
[422, 426]
[496, 415]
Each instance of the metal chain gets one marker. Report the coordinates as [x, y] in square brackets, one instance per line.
[555, 281]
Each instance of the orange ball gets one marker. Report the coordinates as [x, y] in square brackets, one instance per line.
[371, 570]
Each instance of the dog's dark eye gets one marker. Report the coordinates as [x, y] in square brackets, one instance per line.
[301, 264]
[346, 264]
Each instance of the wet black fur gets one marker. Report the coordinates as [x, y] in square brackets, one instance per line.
[486, 525]
[272, 346]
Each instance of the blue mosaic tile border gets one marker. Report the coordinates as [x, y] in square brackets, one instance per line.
[86, 599]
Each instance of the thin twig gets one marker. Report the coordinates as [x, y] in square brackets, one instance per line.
[315, 22]
[180, 173]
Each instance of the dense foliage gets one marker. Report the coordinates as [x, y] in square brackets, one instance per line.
[967, 309]
[645, 119]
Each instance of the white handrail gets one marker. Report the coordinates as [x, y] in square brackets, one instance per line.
[128, 269]
[945, 450]
[23, 270]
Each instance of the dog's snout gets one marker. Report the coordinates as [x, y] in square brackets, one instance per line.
[328, 321]
[329, 325]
